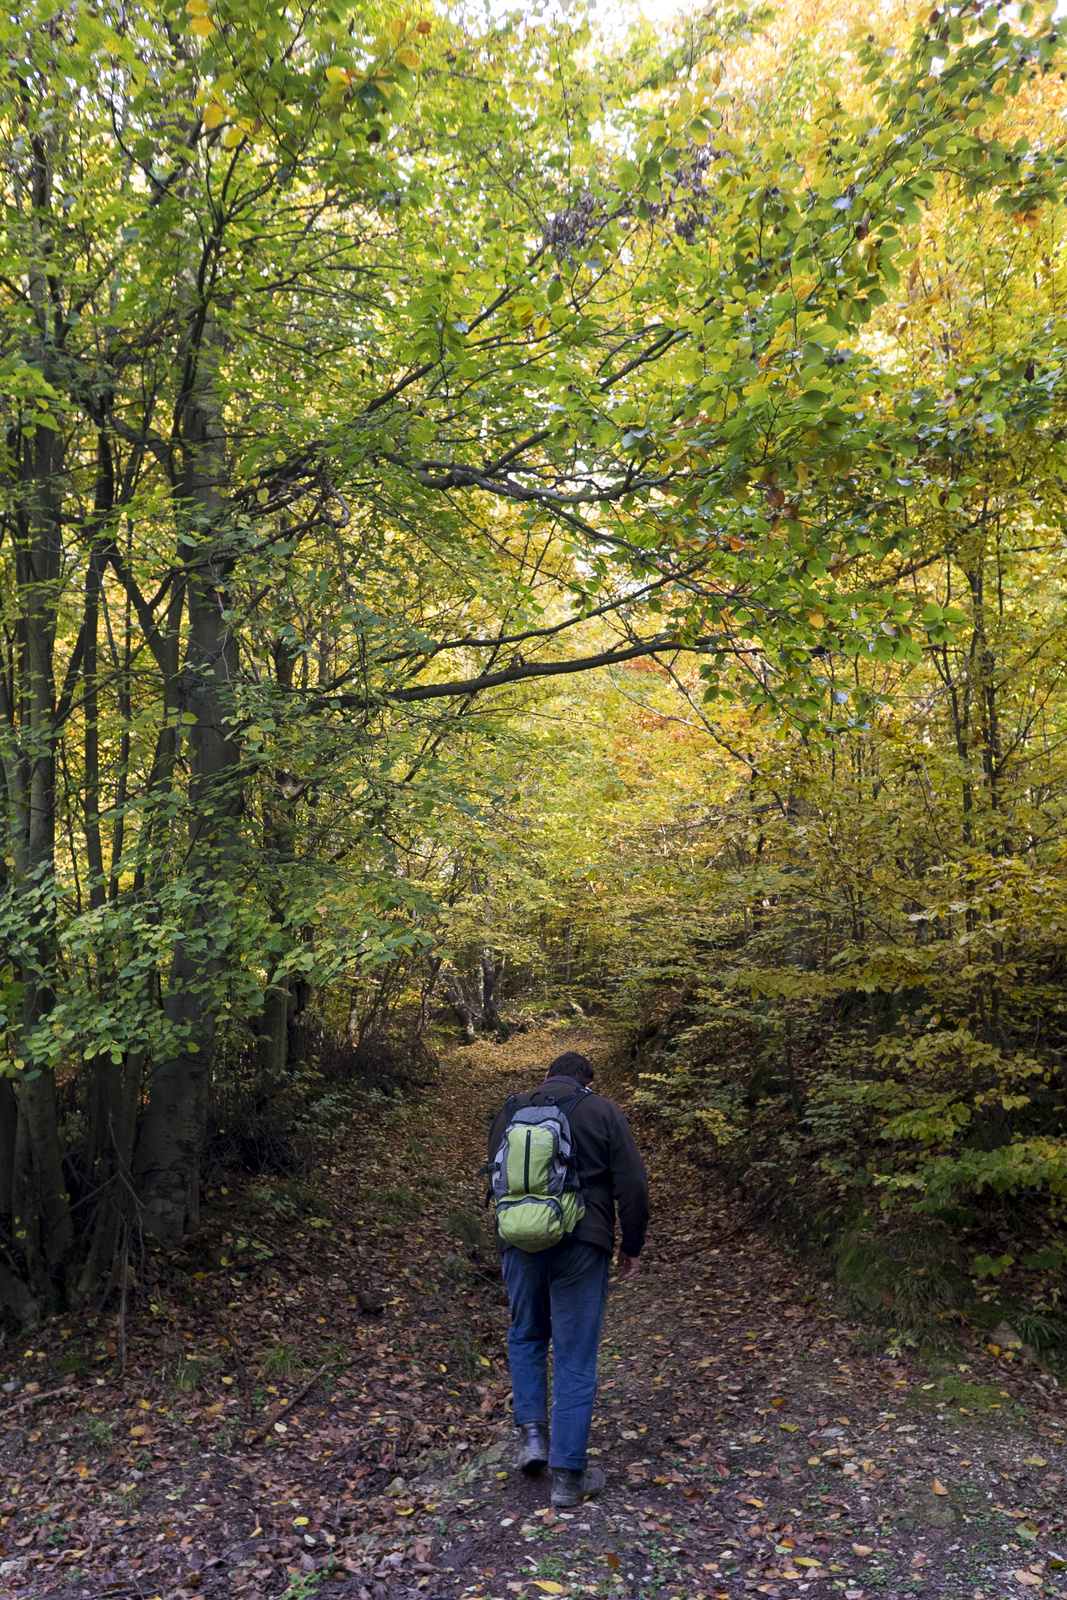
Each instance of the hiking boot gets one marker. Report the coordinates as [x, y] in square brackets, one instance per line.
[570, 1488]
[533, 1452]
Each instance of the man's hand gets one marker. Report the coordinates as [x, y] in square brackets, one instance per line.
[626, 1268]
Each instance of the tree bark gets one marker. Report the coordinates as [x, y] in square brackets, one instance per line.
[452, 987]
[167, 1166]
[39, 1199]
[492, 1016]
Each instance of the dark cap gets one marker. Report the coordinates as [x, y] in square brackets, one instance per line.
[571, 1065]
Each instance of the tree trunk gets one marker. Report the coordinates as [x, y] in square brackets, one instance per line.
[452, 987]
[167, 1166]
[39, 1199]
[492, 1016]
[272, 1045]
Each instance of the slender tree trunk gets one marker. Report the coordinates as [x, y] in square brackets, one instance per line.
[276, 1045]
[452, 987]
[492, 1016]
[167, 1165]
[272, 1043]
[39, 1199]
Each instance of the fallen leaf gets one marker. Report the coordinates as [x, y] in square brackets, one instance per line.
[862, 1549]
[549, 1587]
[1029, 1578]
[1035, 1461]
[613, 1561]
[938, 1487]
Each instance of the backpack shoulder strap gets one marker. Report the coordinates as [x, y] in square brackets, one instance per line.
[568, 1105]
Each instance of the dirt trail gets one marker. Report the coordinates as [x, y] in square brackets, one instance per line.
[748, 1446]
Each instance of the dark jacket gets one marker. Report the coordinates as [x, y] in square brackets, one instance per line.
[610, 1170]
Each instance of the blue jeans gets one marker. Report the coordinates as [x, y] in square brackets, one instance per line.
[557, 1295]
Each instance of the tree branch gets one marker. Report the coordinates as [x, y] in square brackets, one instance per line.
[519, 674]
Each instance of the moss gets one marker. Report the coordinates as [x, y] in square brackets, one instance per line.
[73, 1362]
[904, 1283]
[949, 1389]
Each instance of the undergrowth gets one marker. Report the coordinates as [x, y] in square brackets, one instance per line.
[930, 1242]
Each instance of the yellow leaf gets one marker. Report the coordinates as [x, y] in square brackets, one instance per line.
[232, 137]
[549, 1587]
[938, 1487]
[202, 26]
[300, 1522]
[144, 1405]
[338, 75]
[137, 1432]
[816, 619]
[398, 28]
[196, 8]
[862, 1549]
[409, 58]
[1036, 1461]
[790, 1427]
[805, 1561]
[214, 116]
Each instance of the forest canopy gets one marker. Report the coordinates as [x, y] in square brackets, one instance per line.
[498, 509]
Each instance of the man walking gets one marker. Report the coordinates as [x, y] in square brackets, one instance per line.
[558, 1293]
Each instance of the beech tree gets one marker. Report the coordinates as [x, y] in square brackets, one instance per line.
[355, 367]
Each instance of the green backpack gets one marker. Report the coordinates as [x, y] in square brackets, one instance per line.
[533, 1176]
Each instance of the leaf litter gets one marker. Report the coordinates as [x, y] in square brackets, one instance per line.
[323, 1410]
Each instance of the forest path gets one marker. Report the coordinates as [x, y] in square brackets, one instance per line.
[748, 1447]
[316, 1402]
